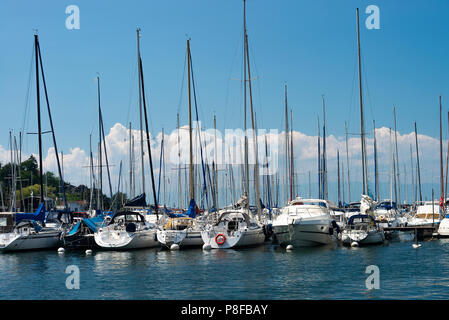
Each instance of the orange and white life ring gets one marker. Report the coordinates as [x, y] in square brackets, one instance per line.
[220, 239]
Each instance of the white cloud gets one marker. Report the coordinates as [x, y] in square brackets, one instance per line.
[76, 162]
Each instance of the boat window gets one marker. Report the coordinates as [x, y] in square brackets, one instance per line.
[3, 222]
[233, 225]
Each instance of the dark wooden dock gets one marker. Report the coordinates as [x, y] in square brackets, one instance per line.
[422, 232]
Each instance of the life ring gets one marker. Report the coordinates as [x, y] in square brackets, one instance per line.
[220, 239]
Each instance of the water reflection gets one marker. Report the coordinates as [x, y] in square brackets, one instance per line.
[264, 272]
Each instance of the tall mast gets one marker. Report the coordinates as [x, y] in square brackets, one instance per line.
[13, 175]
[100, 165]
[441, 156]
[52, 131]
[244, 105]
[338, 178]
[253, 123]
[39, 133]
[397, 157]
[362, 121]
[417, 162]
[286, 144]
[447, 164]
[140, 112]
[320, 195]
[156, 205]
[91, 174]
[292, 170]
[324, 168]
[376, 180]
[412, 175]
[131, 193]
[191, 181]
[391, 169]
[179, 164]
[347, 163]
[216, 167]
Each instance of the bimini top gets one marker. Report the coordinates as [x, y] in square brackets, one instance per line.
[360, 218]
[38, 215]
[128, 216]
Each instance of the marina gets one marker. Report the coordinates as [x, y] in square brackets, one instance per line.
[240, 201]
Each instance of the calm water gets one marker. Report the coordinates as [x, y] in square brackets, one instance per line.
[266, 272]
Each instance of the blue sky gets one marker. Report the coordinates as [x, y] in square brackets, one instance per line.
[311, 45]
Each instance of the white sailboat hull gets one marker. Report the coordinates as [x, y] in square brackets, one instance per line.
[35, 241]
[235, 239]
[123, 240]
[362, 237]
[443, 228]
[183, 238]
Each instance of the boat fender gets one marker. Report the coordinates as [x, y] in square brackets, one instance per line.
[220, 239]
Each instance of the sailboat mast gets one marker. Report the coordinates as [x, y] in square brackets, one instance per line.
[216, 166]
[100, 168]
[447, 165]
[347, 162]
[362, 121]
[253, 123]
[319, 162]
[141, 118]
[245, 106]
[179, 164]
[397, 157]
[286, 144]
[292, 170]
[412, 175]
[131, 193]
[324, 168]
[338, 178]
[191, 181]
[417, 163]
[156, 205]
[441, 156]
[376, 189]
[39, 133]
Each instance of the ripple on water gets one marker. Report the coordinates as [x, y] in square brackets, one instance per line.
[265, 272]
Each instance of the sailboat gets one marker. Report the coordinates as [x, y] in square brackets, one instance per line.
[235, 226]
[127, 229]
[362, 228]
[27, 231]
[183, 230]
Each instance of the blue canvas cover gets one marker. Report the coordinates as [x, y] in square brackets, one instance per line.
[91, 223]
[38, 215]
[191, 212]
[138, 201]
